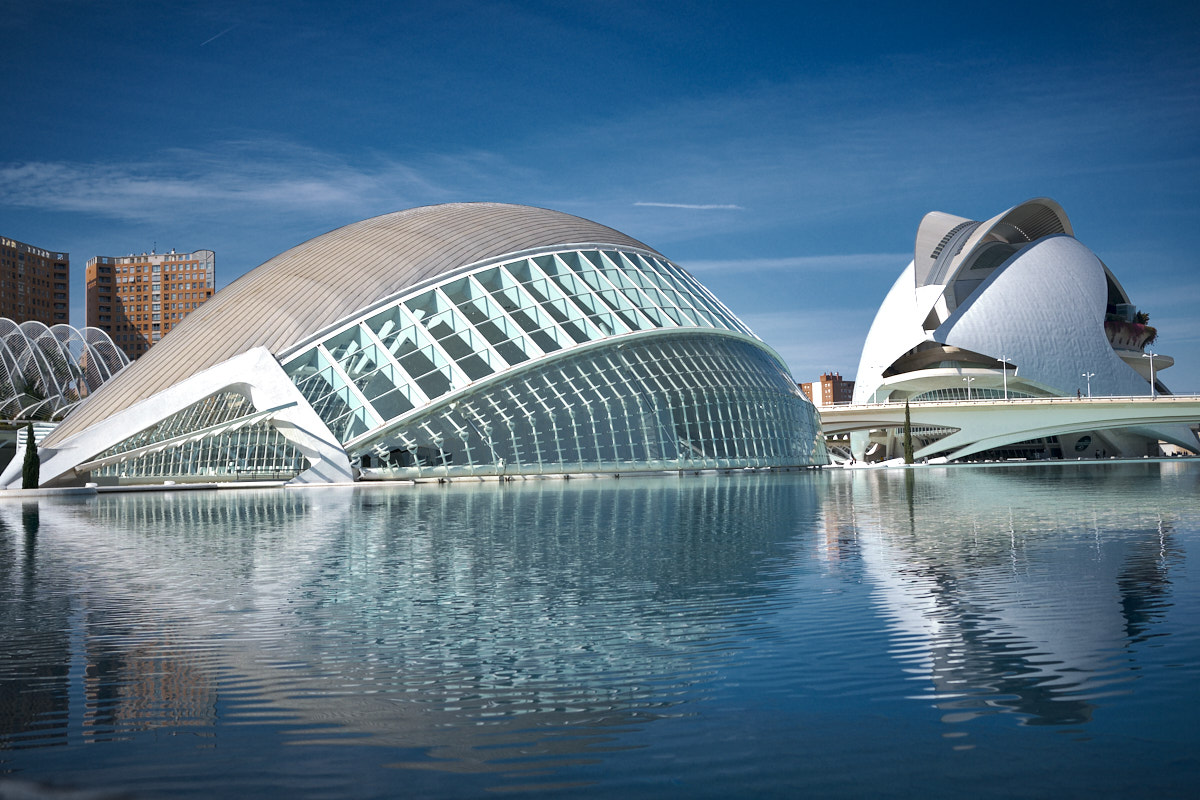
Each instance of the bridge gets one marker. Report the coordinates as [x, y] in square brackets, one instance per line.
[986, 424]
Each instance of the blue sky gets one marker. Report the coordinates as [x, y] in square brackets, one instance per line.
[783, 152]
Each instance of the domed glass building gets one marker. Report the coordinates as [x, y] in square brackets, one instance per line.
[458, 340]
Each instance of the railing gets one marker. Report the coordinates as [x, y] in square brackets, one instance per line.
[1135, 398]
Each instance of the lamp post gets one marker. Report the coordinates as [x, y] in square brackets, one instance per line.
[1151, 356]
[968, 381]
[1004, 362]
[1089, 376]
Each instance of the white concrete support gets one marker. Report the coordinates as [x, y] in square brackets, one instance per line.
[984, 425]
[255, 374]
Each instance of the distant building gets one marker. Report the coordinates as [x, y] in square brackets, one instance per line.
[829, 390]
[34, 283]
[136, 299]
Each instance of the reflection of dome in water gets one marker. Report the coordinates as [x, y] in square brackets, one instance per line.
[464, 618]
[454, 340]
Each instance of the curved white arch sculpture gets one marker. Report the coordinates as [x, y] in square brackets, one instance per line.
[45, 372]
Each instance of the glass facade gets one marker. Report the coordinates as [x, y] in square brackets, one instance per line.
[577, 360]
[676, 402]
[961, 393]
[222, 437]
[472, 375]
[442, 339]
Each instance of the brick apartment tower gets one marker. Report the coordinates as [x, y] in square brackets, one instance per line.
[136, 300]
[34, 283]
[830, 390]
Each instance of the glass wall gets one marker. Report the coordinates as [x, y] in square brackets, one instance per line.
[961, 393]
[692, 401]
[444, 338]
[241, 444]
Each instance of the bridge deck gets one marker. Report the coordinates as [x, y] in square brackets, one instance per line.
[984, 424]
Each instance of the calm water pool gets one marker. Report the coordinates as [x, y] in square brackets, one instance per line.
[993, 632]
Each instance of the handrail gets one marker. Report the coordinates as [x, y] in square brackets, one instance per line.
[1137, 398]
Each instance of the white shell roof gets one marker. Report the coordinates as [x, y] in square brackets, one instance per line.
[326, 279]
[939, 256]
[1044, 308]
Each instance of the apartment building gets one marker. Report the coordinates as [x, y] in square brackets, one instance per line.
[34, 283]
[831, 389]
[138, 299]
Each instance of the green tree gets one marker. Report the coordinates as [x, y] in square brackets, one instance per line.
[908, 451]
[31, 469]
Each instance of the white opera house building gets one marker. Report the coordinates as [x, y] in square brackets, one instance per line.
[1009, 308]
[470, 339]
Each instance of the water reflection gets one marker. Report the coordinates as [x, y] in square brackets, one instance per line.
[528, 632]
[498, 626]
[1010, 590]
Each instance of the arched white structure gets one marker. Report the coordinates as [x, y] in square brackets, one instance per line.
[464, 339]
[1017, 307]
[46, 371]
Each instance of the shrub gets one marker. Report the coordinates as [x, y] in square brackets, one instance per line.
[31, 469]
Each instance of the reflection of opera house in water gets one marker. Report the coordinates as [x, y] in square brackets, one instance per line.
[988, 610]
[473, 339]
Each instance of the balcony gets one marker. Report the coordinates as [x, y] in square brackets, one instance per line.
[1129, 335]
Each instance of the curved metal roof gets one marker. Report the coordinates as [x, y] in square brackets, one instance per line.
[945, 242]
[326, 279]
[1021, 224]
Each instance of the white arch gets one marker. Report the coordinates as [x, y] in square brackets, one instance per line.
[255, 374]
[61, 364]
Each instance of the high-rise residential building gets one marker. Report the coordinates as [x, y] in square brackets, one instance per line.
[137, 299]
[830, 390]
[34, 283]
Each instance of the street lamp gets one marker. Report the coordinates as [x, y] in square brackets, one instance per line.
[1151, 356]
[1004, 362]
[968, 381]
[1089, 376]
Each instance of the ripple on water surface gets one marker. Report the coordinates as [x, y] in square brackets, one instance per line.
[679, 635]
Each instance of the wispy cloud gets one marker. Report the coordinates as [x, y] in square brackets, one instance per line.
[693, 206]
[218, 36]
[268, 177]
[859, 143]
